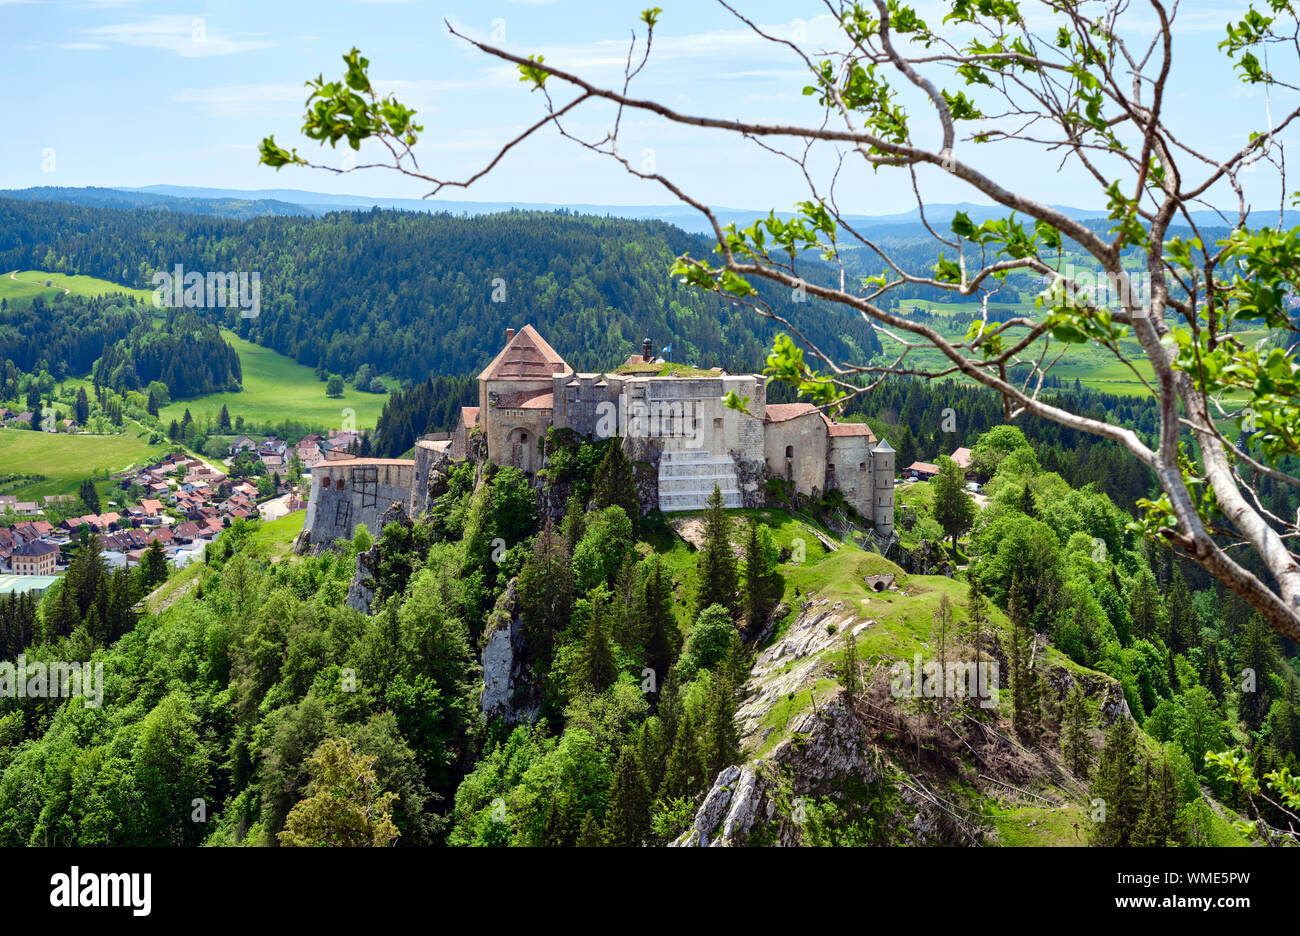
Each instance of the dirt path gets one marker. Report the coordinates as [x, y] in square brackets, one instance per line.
[14, 276]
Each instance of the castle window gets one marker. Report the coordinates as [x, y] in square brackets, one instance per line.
[325, 481]
[789, 451]
[523, 438]
[340, 484]
[862, 466]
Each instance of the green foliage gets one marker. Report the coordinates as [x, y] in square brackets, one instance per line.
[716, 574]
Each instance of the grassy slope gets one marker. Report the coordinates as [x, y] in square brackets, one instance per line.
[66, 460]
[276, 388]
[904, 625]
[273, 539]
[22, 284]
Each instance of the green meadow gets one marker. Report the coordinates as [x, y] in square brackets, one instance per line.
[23, 284]
[67, 460]
[277, 388]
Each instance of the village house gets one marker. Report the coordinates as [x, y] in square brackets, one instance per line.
[35, 558]
[921, 471]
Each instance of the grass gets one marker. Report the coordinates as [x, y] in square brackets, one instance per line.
[67, 460]
[1041, 825]
[22, 284]
[275, 538]
[276, 388]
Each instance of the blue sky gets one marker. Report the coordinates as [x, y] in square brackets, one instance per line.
[134, 92]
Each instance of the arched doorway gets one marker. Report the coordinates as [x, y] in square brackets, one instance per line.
[519, 446]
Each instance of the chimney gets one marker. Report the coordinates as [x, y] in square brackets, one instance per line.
[510, 335]
[647, 350]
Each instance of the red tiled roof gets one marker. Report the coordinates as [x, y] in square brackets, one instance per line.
[962, 457]
[923, 468]
[469, 416]
[371, 461]
[541, 401]
[527, 356]
[780, 412]
[848, 429]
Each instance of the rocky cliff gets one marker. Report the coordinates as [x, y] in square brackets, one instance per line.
[826, 767]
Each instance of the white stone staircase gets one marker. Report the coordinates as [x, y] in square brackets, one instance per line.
[687, 478]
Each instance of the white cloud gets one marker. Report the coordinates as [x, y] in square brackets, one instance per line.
[187, 36]
[246, 100]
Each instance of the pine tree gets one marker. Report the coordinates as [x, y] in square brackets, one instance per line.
[716, 574]
[662, 639]
[62, 617]
[1159, 825]
[223, 420]
[847, 671]
[589, 832]
[1076, 745]
[81, 408]
[720, 744]
[760, 575]
[89, 496]
[1118, 784]
[1027, 501]
[1026, 717]
[1259, 655]
[625, 615]
[1181, 625]
[977, 611]
[597, 667]
[1144, 605]
[153, 567]
[953, 508]
[574, 525]
[615, 484]
[627, 821]
[684, 771]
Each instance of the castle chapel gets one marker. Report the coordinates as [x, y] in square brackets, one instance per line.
[671, 418]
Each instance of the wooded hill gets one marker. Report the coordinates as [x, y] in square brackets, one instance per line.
[412, 295]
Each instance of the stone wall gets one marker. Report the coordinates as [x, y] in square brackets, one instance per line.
[806, 439]
[347, 493]
[850, 457]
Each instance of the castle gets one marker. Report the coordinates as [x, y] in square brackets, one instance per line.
[672, 419]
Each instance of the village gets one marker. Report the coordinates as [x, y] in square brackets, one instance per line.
[181, 502]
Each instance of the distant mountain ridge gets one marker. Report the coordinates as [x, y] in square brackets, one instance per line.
[239, 203]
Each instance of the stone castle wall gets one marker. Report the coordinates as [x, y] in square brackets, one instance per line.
[348, 493]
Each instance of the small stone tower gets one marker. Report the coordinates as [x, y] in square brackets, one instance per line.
[882, 487]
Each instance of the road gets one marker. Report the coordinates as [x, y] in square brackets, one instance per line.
[14, 276]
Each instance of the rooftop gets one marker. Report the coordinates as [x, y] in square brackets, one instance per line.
[526, 356]
[10, 584]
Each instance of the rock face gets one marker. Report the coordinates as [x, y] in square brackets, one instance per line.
[806, 741]
[819, 746]
[509, 690]
[361, 590]
[926, 559]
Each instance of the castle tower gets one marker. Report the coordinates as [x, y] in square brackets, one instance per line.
[517, 398]
[882, 485]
